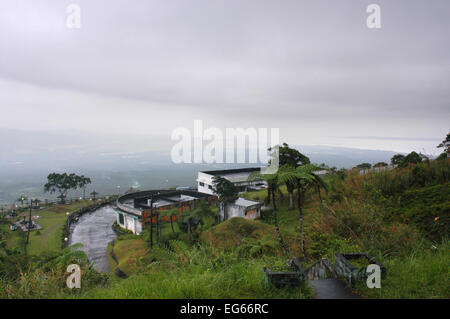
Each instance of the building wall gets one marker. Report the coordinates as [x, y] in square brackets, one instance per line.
[138, 227]
[205, 183]
[130, 222]
[253, 213]
[235, 211]
[181, 207]
[241, 211]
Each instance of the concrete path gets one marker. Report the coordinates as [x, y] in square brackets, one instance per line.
[332, 289]
[94, 231]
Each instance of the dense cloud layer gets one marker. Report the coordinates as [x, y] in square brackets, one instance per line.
[311, 68]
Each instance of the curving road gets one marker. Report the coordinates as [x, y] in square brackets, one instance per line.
[94, 231]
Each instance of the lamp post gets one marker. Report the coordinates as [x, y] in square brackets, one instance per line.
[151, 222]
[29, 225]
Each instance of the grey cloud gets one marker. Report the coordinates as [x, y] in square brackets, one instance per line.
[310, 60]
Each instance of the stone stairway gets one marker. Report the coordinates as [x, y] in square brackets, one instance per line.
[332, 288]
[323, 278]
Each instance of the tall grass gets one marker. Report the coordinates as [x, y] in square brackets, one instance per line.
[45, 276]
[392, 182]
[200, 272]
[424, 273]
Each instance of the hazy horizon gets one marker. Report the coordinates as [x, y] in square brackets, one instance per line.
[105, 98]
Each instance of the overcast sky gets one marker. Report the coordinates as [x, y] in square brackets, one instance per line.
[311, 68]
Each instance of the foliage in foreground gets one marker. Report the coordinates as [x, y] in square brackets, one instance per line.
[45, 276]
[399, 216]
[424, 273]
[179, 271]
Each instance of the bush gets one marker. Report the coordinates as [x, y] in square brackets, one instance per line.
[199, 272]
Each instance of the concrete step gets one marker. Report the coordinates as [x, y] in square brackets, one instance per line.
[332, 289]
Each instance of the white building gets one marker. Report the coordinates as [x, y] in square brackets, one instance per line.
[239, 177]
[134, 208]
[242, 207]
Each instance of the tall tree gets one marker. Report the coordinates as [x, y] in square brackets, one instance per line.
[60, 183]
[364, 166]
[380, 164]
[21, 199]
[273, 183]
[170, 213]
[303, 177]
[397, 159]
[412, 158]
[94, 194]
[445, 144]
[290, 157]
[226, 193]
[82, 183]
[190, 218]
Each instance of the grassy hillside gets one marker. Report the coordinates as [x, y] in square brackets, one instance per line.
[424, 273]
[399, 216]
[202, 271]
[129, 251]
[231, 233]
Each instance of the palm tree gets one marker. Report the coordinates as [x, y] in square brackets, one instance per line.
[303, 177]
[225, 191]
[21, 199]
[203, 211]
[272, 182]
[170, 213]
[94, 194]
[82, 182]
[188, 219]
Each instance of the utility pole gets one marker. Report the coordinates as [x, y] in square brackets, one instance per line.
[158, 233]
[29, 222]
[151, 222]
[29, 226]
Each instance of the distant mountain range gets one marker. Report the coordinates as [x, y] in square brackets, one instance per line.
[26, 158]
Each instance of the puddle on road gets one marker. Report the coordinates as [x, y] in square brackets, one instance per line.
[94, 231]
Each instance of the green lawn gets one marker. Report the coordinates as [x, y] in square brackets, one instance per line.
[13, 239]
[52, 221]
[48, 238]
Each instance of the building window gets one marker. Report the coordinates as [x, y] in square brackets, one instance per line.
[209, 186]
[202, 184]
[121, 219]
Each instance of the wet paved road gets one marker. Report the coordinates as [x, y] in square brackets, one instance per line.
[332, 289]
[94, 231]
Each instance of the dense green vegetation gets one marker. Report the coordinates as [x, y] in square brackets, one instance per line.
[423, 272]
[201, 271]
[399, 215]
